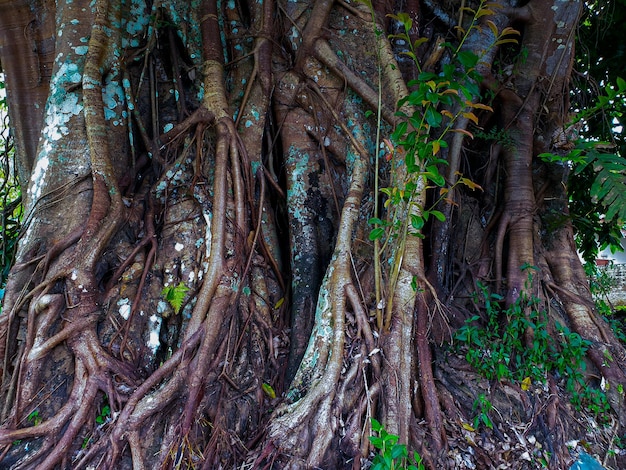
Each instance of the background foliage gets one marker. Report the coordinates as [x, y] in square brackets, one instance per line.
[598, 75]
[10, 196]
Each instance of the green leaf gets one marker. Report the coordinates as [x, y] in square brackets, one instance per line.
[417, 222]
[409, 160]
[399, 131]
[376, 234]
[433, 97]
[410, 187]
[377, 442]
[448, 71]
[405, 19]
[269, 391]
[399, 451]
[424, 77]
[438, 215]
[410, 55]
[376, 426]
[175, 295]
[468, 59]
[418, 42]
[433, 117]
[432, 173]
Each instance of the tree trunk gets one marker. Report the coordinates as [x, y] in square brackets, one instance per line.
[196, 284]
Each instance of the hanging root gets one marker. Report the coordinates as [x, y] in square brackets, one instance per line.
[216, 297]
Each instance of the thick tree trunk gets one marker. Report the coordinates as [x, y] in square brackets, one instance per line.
[28, 46]
[196, 285]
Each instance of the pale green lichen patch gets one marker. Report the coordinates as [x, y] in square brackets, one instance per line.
[60, 108]
[321, 338]
[81, 50]
[138, 18]
[183, 13]
[296, 190]
[113, 96]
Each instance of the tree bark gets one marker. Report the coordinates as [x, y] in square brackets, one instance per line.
[195, 284]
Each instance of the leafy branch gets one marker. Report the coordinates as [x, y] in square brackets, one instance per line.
[598, 169]
[427, 115]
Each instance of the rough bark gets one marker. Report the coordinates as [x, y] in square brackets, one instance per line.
[196, 259]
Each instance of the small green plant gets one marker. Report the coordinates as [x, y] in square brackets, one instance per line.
[102, 418]
[391, 455]
[482, 407]
[105, 412]
[34, 418]
[175, 295]
[601, 283]
[569, 363]
[619, 443]
[426, 118]
[496, 346]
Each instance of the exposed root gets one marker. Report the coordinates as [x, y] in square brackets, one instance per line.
[314, 387]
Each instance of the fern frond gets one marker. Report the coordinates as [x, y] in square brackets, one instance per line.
[609, 186]
[175, 295]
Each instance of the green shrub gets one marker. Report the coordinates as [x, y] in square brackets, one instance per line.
[496, 347]
[391, 455]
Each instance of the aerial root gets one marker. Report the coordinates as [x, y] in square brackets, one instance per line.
[144, 403]
[78, 420]
[364, 327]
[71, 414]
[432, 407]
[503, 225]
[148, 239]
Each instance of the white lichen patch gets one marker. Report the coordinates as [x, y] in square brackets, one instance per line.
[124, 308]
[37, 177]
[155, 329]
[207, 217]
[179, 246]
[294, 37]
[162, 307]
